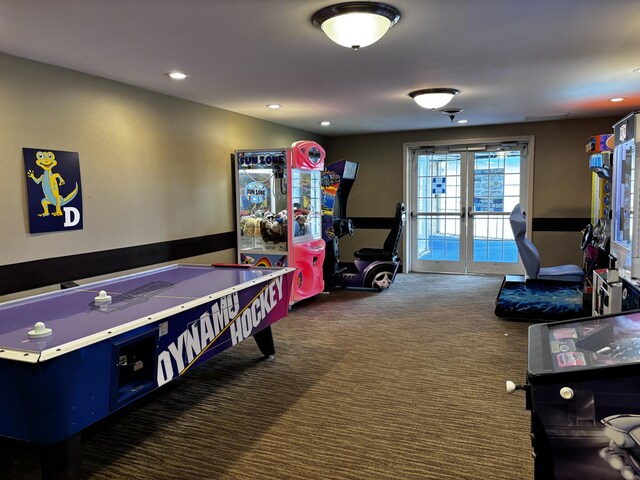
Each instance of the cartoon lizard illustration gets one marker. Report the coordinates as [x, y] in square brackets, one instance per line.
[50, 185]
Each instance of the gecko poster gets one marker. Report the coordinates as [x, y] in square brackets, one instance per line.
[53, 190]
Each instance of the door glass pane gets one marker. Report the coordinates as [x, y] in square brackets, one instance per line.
[439, 190]
[439, 238]
[493, 240]
[496, 188]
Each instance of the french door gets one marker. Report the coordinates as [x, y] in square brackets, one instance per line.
[460, 198]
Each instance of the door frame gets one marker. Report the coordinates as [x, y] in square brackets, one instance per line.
[406, 178]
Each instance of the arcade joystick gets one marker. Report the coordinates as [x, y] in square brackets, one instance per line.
[512, 387]
[40, 331]
[102, 297]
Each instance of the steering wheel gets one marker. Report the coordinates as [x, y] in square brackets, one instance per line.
[587, 236]
[350, 229]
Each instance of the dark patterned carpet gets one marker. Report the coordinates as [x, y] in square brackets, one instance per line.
[403, 384]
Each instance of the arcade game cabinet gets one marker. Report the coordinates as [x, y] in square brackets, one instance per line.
[279, 212]
[337, 180]
[625, 224]
[596, 235]
[583, 390]
[549, 293]
[373, 268]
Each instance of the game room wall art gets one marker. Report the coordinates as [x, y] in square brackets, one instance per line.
[53, 190]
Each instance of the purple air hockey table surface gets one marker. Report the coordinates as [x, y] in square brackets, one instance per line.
[97, 355]
[77, 320]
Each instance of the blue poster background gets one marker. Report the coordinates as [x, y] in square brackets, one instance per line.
[54, 194]
[488, 190]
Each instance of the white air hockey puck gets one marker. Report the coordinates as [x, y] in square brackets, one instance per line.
[102, 297]
[40, 331]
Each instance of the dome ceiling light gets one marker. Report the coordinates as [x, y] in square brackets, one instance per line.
[433, 98]
[175, 75]
[356, 24]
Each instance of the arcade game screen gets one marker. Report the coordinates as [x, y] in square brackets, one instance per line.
[595, 342]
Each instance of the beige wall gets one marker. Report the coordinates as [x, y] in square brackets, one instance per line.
[561, 183]
[153, 167]
[156, 168]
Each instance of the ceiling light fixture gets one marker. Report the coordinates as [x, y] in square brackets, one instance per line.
[356, 24]
[434, 97]
[273, 106]
[325, 123]
[616, 99]
[176, 75]
[462, 121]
[451, 112]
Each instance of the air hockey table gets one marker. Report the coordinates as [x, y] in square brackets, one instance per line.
[72, 357]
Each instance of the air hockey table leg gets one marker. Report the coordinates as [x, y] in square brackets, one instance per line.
[61, 461]
[264, 339]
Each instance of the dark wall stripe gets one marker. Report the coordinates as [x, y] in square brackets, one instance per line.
[538, 224]
[559, 224]
[49, 271]
[372, 222]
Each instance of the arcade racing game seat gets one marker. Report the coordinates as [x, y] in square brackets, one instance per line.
[389, 250]
[531, 258]
[373, 268]
[550, 293]
[376, 268]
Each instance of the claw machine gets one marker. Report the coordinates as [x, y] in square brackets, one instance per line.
[279, 212]
[583, 390]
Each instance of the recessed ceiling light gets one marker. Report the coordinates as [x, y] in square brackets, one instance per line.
[325, 123]
[273, 106]
[616, 99]
[176, 75]
[462, 121]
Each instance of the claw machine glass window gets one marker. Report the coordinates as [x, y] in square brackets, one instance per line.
[307, 205]
[262, 203]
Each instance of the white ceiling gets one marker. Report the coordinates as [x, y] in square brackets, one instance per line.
[510, 59]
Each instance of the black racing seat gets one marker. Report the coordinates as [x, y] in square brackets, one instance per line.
[389, 250]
